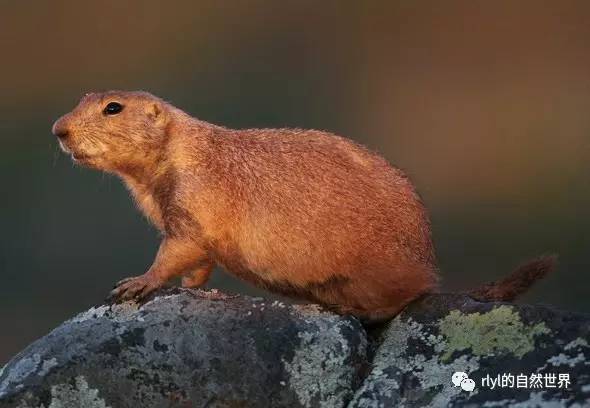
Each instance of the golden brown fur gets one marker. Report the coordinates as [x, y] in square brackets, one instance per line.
[303, 213]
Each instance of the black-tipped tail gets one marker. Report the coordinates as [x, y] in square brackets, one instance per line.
[518, 282]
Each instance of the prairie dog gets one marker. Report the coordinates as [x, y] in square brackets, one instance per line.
[302, 213]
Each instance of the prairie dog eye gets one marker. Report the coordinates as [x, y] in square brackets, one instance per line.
[112, 108]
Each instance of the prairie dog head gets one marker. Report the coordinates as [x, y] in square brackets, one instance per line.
[115, 130]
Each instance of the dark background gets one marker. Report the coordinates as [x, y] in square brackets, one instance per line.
[485, 105]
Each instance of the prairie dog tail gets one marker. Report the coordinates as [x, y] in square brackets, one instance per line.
[518, 282]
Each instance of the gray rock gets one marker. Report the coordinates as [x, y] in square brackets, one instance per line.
[419, 351]
[191, 348]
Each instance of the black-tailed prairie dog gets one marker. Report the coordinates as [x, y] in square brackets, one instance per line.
[302, 213]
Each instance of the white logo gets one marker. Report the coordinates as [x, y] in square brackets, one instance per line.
[460, 379]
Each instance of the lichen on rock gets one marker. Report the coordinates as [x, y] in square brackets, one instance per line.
[191, 348]
[420, 349]
[498, 331]
[312, 357]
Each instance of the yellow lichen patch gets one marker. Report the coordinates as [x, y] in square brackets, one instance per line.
[499, 331]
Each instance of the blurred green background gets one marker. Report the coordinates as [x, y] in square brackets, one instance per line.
[485, 105]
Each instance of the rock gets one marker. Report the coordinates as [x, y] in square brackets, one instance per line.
[420, 350]
[190, 348]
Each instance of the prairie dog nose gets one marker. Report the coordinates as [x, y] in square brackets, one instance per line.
[60, 128]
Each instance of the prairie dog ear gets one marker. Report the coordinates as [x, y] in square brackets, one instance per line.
[155, 111]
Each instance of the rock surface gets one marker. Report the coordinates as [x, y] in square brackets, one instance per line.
[205, 349]
[191, 348]
[421, 349]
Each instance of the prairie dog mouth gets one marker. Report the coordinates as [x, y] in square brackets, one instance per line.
[76, 156]
[63, 147]
[80, 156]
